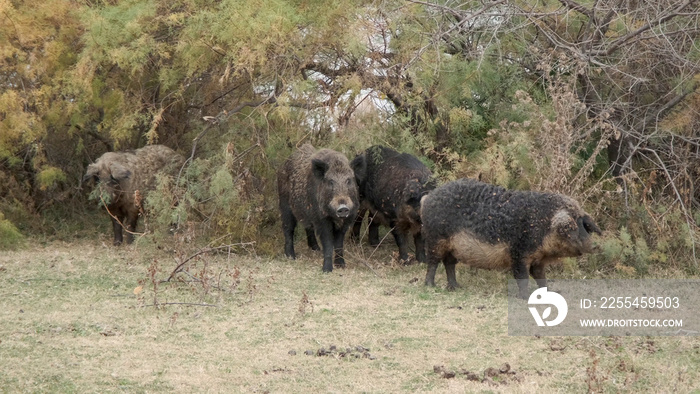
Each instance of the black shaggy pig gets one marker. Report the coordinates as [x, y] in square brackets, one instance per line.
[487, 226]
[391, 186]
[318, 189]
[126, 178]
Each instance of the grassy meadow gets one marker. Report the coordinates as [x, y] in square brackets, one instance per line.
[85, 316]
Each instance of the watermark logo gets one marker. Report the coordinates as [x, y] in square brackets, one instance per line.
[543, 297]
[605, 307]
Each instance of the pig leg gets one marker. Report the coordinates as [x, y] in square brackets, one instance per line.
[420, 247]
[357, 226]
[537, 272]
[373, 231]
[117, 227]
[289, 223]
[433, 262]
[521, 276]
[131, 220]
[450, 264]
[400, 239]
[311, 239]
[338, 237]
[325, 232]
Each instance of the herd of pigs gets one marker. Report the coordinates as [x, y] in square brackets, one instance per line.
[479, 224]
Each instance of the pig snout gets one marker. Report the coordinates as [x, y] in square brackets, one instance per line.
[585, 245]
[343, 211]
[342, 207]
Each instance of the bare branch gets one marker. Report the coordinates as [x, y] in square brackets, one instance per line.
[158, 305]
[447, 9]
[222, 116]
[577, 7]
[679, 199]
[622, 40]
[200, 252]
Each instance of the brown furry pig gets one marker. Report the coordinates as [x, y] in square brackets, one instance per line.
[127, 177]
[318, 189]
[391, 186]
[487, 226]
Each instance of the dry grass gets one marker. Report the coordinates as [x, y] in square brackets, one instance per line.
[70, 321]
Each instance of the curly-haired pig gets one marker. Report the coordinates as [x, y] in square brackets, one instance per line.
[318, 189]
[487, 226]
[126, 178]
[391, 186]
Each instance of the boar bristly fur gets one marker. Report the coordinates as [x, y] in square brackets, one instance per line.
[127, 177]
[318, 189]
[487, 226]
[391, 185]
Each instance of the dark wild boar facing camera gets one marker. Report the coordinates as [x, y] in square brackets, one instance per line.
[391, 185]
[125, 179]
[318, 189]
[487, 226]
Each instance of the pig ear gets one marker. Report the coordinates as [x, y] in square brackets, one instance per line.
[319, 168]
[414, 193]
[564, 223]
[422, 204]
[91, 173]
[359, 167]
[590, 225]
[119, 172]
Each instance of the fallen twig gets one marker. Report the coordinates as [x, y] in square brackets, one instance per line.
[182, 303]
[178, 268]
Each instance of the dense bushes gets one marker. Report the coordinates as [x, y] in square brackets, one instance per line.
[244, 85]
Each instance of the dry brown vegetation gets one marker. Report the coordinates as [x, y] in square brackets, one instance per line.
[84, 317]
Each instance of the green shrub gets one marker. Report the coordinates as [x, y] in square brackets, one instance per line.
[10, 237]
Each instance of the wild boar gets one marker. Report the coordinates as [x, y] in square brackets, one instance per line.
[487, 226]
[391, 185]
[318, 189]
[126, 178]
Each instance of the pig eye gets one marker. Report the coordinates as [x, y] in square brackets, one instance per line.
[348, 181]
